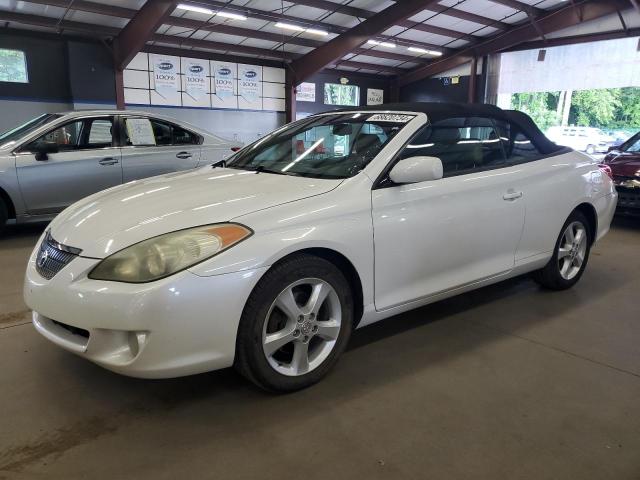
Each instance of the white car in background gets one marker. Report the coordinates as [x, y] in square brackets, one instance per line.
[56, 159]
[325, 225]
[584, 139]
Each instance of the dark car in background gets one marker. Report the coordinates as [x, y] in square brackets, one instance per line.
[624, 162]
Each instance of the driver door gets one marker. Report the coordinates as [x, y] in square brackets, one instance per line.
[86, 161]
[435, 236]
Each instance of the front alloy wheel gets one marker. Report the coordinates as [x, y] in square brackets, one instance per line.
[296, 323]
[302, 327]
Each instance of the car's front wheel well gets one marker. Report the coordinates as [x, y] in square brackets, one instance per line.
[592, 217]
[6, 199]
[348, 270]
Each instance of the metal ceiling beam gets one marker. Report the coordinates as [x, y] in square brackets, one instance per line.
[362, 13]
[548, 23]
[339, 46]
[137, 31]
[225, 47]
[190, 24]
[575, 39]
[270, 16]
[521, 6]
[59, 26]
[279, 38]
[98, 31]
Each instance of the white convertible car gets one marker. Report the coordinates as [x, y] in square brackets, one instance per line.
[330, 223]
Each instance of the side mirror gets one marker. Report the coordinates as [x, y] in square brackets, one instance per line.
[612, 148]
[43, 149]
[416, 169]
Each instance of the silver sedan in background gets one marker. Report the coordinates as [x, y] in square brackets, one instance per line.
[56, 159]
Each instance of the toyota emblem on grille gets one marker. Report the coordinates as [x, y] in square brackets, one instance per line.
[42, 258]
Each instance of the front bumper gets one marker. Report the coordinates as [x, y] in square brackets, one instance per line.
[628, 201]
[180, 325]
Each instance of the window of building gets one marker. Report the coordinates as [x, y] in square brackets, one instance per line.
[13, 66]
[337, 94]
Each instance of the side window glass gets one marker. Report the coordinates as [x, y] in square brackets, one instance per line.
[67, 137]
[99, 133]
[183, 137]
[162, 132]
[464, 145]
[518, 147]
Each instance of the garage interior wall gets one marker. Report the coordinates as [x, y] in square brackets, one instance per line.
[48, 88]
[363, 81]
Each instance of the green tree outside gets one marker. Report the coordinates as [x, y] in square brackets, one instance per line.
[609, 109]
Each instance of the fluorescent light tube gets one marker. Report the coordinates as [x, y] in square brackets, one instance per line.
[234, 16]
[288, 26]
[193, 8]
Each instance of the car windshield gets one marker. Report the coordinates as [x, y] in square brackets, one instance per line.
[325, 146]
[20, 131]
[632, 145]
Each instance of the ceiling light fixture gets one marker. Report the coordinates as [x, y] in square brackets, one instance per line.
[289, 26]
[381, 44]
[193, 8]
[317, 32]
[425, 51]
[234, 16]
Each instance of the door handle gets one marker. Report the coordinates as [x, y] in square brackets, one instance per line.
[108, 161]
[512, 196]
[183, 155]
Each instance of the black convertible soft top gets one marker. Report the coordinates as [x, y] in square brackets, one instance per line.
[437, 111]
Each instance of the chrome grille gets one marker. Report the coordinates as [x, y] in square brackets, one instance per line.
[53, 257]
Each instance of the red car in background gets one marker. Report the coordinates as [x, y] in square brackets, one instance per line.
[624, 162]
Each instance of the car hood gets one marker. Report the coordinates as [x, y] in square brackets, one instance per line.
[108, 221]
[625, 164]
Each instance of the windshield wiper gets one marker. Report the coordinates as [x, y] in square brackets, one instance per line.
[261, 169]
[219, 163]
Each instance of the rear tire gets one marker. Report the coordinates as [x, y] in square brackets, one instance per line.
[4, 216]
[295, 324]
[570, 255]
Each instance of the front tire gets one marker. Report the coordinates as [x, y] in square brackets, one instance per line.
[570, 255]
[295, 325]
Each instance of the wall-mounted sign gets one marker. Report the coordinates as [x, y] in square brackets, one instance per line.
[195, 77]
[306, 92]
[165, 74]
[375, 96]
[223, 79]
[249, 81]
[446, 81]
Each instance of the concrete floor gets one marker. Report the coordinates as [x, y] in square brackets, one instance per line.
[506, 382]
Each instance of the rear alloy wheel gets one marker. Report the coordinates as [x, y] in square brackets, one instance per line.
[591, 149]
[295, 325]
[570, 256]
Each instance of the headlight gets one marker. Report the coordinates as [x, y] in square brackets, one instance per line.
[170, 253]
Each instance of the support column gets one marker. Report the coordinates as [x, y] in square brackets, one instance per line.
[119, 89]
[473, 80]
[290, 96]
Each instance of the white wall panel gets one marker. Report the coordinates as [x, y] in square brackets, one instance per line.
[140, 89]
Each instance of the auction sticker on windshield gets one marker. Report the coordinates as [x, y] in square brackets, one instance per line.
[390, 117]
